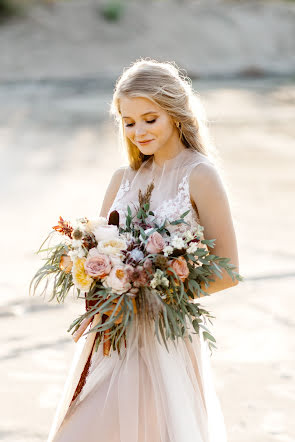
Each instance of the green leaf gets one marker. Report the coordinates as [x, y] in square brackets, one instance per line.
[208, 336]
[184, 214]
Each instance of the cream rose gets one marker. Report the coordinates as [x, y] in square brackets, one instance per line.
[118, 279]
[112, 246]
[98, 266]
[155, 243]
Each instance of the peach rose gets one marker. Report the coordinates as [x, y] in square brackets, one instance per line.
[180, 267]
[155, 243]
[118, 279]
[65, 263]
[98, 265]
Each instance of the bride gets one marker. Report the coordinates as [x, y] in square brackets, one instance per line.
[148, 394]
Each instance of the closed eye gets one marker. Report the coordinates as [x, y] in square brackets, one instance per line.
[150, 122]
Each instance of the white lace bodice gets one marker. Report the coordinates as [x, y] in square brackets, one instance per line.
[171, 195]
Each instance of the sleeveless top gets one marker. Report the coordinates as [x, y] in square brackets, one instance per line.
[170, 197]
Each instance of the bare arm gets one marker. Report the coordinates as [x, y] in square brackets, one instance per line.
[111, 191]
[209, 194]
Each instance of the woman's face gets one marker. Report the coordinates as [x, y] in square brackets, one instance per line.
[144, 120]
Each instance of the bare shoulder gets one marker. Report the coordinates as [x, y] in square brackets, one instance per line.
[208, 192]
[205, 179]
[118, 176]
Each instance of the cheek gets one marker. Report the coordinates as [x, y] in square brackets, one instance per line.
[165, 130]
[161, 129]
[129, 132]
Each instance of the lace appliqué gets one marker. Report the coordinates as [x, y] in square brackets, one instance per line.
[173, 208]
[169, 209]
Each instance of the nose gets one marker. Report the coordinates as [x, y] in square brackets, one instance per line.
[140, 130]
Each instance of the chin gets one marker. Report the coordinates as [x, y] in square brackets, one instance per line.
[147, 151]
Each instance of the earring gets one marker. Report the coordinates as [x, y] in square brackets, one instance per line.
[177, 124]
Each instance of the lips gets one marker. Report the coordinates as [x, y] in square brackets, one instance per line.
[145, 142]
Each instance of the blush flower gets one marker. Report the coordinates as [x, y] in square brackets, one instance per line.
[155, 243]
[98, 266]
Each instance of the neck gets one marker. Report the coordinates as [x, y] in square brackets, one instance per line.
[168, 152]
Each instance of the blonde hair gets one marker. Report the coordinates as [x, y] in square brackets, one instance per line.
[166, 85]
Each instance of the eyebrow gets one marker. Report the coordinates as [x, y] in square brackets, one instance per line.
[146, 113]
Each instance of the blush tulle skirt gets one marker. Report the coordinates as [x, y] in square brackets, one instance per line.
[146, 394]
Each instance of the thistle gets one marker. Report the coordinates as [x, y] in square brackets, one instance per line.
[161, 262]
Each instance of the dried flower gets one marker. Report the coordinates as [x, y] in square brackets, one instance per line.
[77, 234]
[161, 262]
[64, 227]
[145, 198]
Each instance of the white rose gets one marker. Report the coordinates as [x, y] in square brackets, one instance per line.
[105, 232]
[92, 224]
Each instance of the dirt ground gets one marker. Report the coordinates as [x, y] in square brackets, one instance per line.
[58, 149]
[70, 38]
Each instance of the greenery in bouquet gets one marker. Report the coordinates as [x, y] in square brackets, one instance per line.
[136, 269]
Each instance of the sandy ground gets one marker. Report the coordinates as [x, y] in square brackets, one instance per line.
[206, 37]
[58, 149]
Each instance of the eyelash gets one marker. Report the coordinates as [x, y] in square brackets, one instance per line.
[150, 122]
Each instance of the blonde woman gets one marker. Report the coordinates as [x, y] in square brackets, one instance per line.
[149, 394]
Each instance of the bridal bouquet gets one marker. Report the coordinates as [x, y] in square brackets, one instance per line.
[141, 268]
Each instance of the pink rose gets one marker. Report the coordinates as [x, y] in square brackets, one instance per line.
[98, 265]
[180, 267]
[118, 279]
[155, 243]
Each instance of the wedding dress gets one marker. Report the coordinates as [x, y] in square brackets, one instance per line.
[147, 394]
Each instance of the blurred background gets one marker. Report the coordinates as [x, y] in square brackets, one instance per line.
[58, 149]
